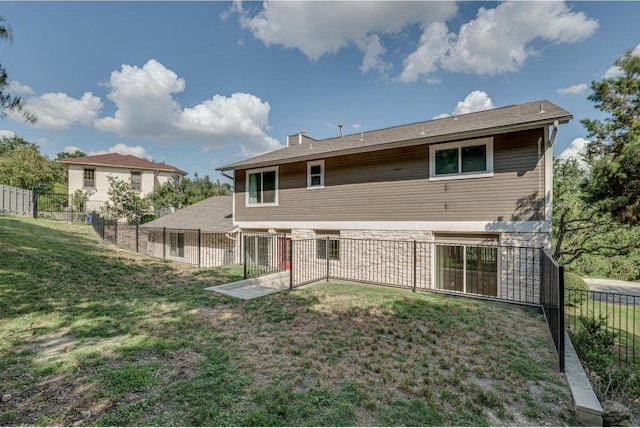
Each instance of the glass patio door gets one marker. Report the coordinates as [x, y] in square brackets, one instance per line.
[467, 269]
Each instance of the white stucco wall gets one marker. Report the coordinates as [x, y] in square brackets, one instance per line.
[150, 180]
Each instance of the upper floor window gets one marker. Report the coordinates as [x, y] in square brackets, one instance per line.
[262, 186]
[315, 174]
[176, 179]
[464, 159]
[89, 178]
[136, 180]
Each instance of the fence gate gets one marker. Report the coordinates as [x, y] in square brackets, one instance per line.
[265, 253]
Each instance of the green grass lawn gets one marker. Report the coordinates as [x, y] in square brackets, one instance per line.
[94, 335]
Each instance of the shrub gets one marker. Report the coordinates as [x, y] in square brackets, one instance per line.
[574, 282]
[595, 346]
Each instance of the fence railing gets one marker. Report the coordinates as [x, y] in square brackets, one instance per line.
[552, 302]
[265, 253]
[503, 273]
[61, 206]
[620, 315]
[16, 201]
[191, 246]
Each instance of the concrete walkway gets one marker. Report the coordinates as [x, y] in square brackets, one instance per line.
[254, 287]
[613, 286]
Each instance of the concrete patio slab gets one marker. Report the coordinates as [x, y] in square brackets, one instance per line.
[254, 287]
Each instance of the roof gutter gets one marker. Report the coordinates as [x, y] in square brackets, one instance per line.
[405, 143]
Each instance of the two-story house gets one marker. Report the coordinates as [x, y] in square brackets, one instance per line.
[90, 173]
[472, 179]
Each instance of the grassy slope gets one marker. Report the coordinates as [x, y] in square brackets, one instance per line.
[93, 335]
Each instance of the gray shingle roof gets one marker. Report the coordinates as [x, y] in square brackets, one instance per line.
[504, 119]
[213, 215]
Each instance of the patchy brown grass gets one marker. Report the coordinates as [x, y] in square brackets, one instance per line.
[92, 335]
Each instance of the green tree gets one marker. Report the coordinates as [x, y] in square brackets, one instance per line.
[124, 202]
[187, 192]
[614, 151]
[10, 102]
[66, 155]
[579, 229]
[9, 144]
[26, 168]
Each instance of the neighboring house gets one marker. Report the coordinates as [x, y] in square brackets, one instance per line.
[460, 182]
[90, 173]
[201, 234]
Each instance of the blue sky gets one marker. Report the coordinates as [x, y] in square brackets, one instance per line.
[202, 84]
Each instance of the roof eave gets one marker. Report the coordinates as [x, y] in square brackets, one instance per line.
[176, 171]
[405, 143]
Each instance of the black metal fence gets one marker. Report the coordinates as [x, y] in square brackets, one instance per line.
[61, 206]
[191, 246]
[620, 315]
[265, 253]
[504, 273]
[552, 302]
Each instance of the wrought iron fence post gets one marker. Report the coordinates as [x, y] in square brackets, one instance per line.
[199, 247]
[290, 255]
[415, 265]
[115, 233]
[34, 197]
[164, 242]
[326, 254]
[137, 238]
[561, 317]
[244, 254]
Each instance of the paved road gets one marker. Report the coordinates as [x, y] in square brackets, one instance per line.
[613, 286]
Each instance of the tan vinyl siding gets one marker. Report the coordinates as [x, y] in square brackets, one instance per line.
[393, 185]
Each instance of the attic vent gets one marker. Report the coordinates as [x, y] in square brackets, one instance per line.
[541, 108]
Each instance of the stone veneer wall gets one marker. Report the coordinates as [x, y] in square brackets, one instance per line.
[520, 265]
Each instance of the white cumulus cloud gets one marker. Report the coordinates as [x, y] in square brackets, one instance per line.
[146, 108]
[474, 101]
[498, 40]
[321, 28]
[58, 111]
[16, 87]
[615, 71]
[5, 133]
[575, 150]
[123, 149]
[580, 88]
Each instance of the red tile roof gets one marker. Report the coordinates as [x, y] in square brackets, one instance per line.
[122, 161]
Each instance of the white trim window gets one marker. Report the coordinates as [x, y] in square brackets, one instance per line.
[462, 159]
[315, 174]
[136, 180]
[262, 187]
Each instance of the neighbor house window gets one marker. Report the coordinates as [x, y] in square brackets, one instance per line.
[89, 178]
[328, 245]
[465, 159]
[136, 180]
[262, 186]
[176, 244]
[315, 174]
[176, 179]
